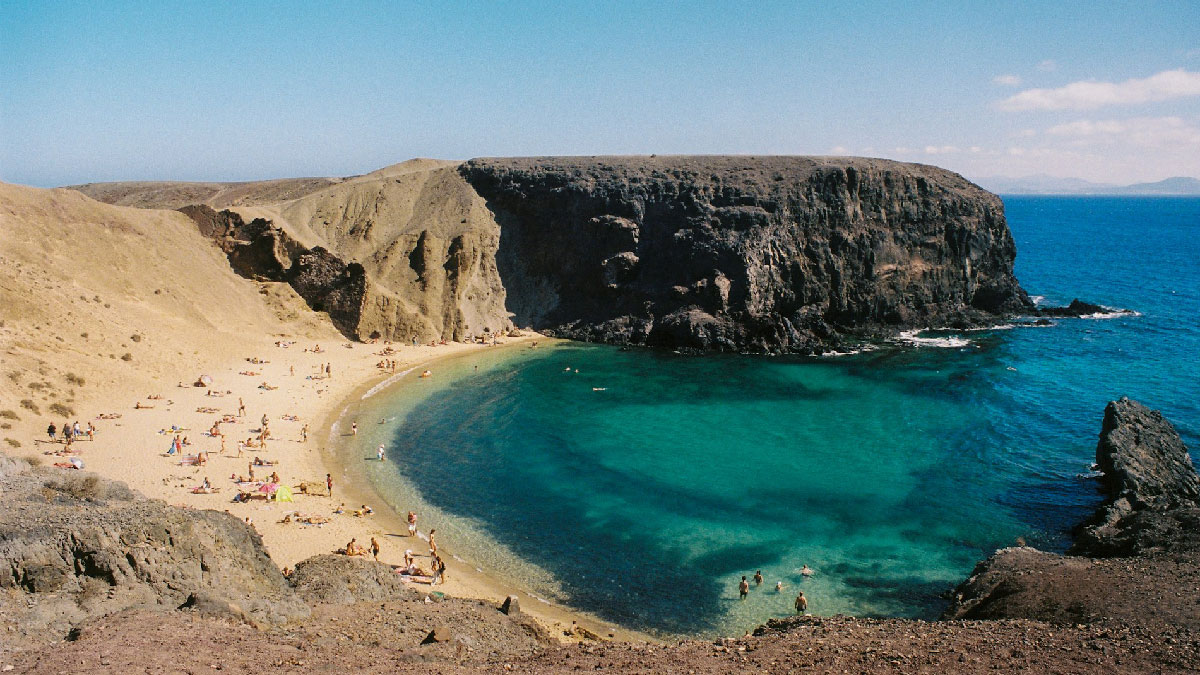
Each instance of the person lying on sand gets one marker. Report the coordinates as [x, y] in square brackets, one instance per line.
[266, 386]
[139, 406]
[353, 549]
[251, 373]
[108, 416]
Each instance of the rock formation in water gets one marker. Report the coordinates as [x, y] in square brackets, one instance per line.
[744, 253]
[1134, 560]
[1153, 492]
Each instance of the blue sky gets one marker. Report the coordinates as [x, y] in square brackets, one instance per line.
[93, 91]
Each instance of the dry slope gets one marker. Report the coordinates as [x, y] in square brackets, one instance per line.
[93, 295]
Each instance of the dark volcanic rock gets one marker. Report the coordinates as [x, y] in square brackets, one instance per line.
[744, 253]
[329, 284]
[1079, 308]
[259, 250]
[1133, 562]
[1152, 486]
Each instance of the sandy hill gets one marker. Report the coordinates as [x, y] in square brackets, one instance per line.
[96, 294]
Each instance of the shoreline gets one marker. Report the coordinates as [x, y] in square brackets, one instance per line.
[463, 578]
[132, 448]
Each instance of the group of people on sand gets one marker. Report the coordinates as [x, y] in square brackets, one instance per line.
[801, 602]
[71, 432]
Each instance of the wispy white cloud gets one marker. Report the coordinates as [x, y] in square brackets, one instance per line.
[1090, 94]
[940, 149]
[839, 150]
[1149, 132]
[1007, 80]
[1048, 66]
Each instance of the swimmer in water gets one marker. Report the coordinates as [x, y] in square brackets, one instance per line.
[806, 571]
[778, 586]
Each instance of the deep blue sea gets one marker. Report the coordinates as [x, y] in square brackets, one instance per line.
[640, 485]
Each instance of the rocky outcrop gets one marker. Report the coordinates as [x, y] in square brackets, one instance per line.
[341, 580]
[78, 552]
[1080, 308]
[1152, 488]
[77, 546]
[402, 253]
[1133, 561]
[760, 254]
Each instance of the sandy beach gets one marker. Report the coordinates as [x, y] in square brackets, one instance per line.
[286, 386]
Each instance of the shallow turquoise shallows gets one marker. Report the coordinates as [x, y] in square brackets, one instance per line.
[640, 486]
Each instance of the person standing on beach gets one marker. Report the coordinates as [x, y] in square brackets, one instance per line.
[354, 428]
[329, 484]
[328, 370]
[379, 452]
[801, 603]
[52, 431]
[241, 408]
[304, 433]
[432, 544]
[374, 548]
[412, 523]
[743, 588]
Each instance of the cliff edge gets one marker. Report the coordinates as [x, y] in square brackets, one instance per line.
[749, 254]
[759, 254]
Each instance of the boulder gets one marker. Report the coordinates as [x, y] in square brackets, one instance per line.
[511, 606]
[439, 634]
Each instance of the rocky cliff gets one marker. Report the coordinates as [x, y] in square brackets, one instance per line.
[757, 254]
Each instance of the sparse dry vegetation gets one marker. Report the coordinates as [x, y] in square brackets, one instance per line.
[13, 442]
[30, 406]
[135, 337]
[9, 415]
[60, 409]
[75, 379]
[127, 356]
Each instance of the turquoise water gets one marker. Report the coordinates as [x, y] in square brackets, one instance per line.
[889, 473]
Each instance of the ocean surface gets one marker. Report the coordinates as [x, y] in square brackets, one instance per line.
[640, 486]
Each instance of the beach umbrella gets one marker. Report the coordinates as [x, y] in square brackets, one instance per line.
[206, 379]
[283, 494]
[77, 462]
[268, 488]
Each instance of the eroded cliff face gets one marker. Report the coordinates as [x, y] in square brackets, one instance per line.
[761, 254]
[405, 252]
[755, 254]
